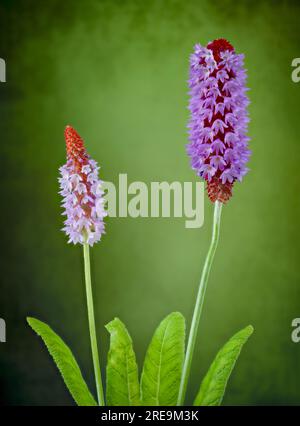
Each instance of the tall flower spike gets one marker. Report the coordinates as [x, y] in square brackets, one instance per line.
[218, 123]
[82, 193]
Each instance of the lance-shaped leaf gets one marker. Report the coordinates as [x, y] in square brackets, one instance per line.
[213, 386]
[65, 362]
[122, 383]
[163, 363]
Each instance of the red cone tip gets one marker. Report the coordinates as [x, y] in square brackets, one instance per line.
[219, 45]
[74, 143]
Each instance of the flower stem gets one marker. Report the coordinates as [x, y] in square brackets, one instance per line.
[199, 303]
[92, 327]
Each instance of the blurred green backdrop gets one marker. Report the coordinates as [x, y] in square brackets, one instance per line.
[117, 71]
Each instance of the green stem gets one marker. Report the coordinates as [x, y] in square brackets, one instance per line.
[92, 327]
[199, 304]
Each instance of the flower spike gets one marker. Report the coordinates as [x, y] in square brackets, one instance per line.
[218, 123]
[82, 193]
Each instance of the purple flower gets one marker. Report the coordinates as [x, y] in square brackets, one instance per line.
[80, 188]
[218, 123]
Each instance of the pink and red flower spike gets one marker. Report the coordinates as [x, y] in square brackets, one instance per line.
[218, 123]
[82, 194]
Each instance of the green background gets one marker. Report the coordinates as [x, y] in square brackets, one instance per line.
[117, 71]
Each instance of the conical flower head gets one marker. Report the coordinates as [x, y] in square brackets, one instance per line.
[80, 186]
[218, 123]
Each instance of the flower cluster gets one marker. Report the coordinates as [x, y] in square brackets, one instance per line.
[82, 194]
[218, 145]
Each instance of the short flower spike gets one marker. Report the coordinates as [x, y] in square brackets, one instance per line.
[218, 123]
[82, 194]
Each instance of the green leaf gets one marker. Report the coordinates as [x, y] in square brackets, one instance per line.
[213, 386]
[122, 382]
[163, 363]
[65, 362]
